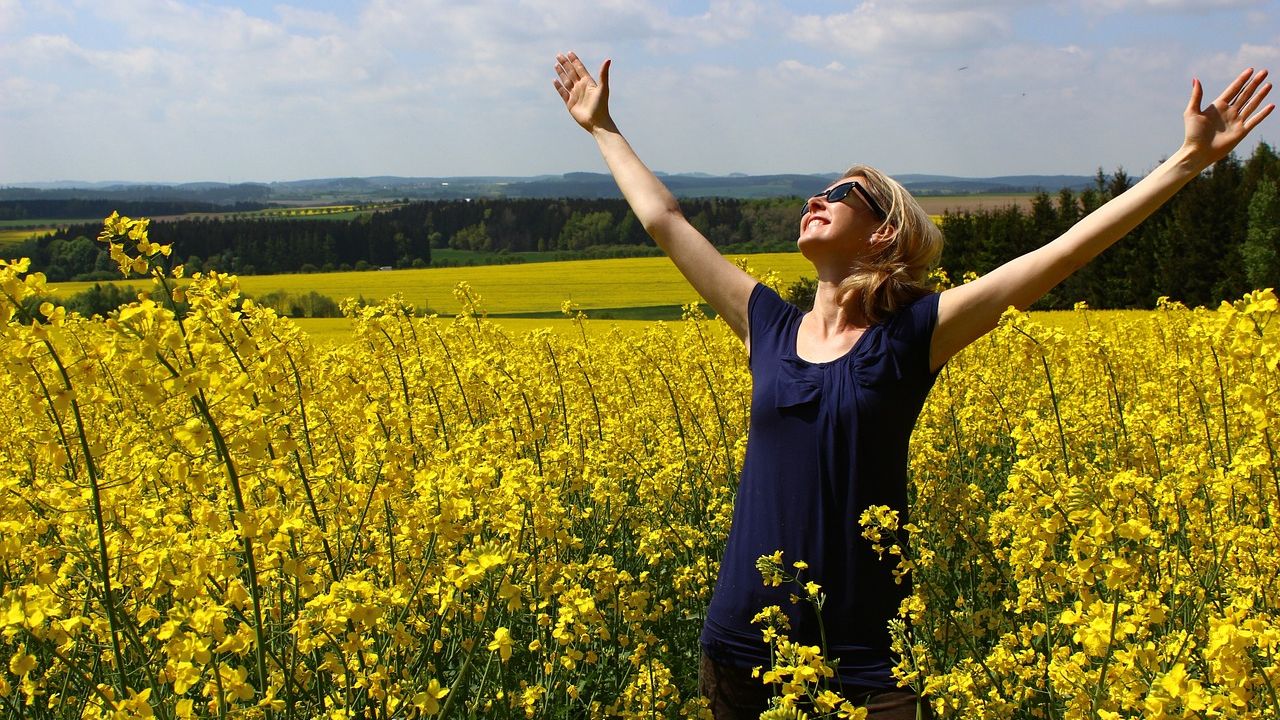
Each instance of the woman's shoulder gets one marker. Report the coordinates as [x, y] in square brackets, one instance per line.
[920, 312]
[765, 302]
[772, 321]
[906, 335]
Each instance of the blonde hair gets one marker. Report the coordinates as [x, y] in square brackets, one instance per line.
[896, 272]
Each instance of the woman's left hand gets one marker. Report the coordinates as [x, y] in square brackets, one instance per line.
[1213, 132]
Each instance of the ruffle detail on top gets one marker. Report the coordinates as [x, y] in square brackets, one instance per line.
[874, 362]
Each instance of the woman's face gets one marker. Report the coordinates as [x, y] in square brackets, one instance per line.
[840, 220]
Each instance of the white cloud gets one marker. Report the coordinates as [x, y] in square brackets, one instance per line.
[724, 23]
[902, 28]
[1229, 64]
[304, 19]
[442, 87]
[20, 96]
[1169, 6]
[10, 15]
[37, 49]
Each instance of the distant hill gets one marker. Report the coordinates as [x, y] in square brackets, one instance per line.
[947, 185]
[572, 185]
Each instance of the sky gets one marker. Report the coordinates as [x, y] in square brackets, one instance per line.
[243, 91]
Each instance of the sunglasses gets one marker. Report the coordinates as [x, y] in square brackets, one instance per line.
[841, 191]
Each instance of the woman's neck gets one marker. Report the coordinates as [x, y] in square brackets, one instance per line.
[829, 315]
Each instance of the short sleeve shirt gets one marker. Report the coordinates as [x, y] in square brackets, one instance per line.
[826, 441]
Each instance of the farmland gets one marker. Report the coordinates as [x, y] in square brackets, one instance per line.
[439, 516]
[514, 289]
[220, 516]
[14, 235]
[528, 296]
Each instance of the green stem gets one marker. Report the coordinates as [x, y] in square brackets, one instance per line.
[95, 488]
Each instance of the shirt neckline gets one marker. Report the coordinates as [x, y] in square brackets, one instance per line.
[794, 341]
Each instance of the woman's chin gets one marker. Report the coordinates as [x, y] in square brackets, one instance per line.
[810, 246]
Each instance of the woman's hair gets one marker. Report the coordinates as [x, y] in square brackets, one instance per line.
[897, 272]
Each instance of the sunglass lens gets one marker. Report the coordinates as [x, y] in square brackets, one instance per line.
[834, 195]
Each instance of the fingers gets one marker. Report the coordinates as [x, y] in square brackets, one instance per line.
[564, 76]
[1241, 98]
[570, 72]
[1234, 88]
[1197, 94]
[570, 69]
[578, 68]
[1247, 100]
[1253, 120]
[1251, 103]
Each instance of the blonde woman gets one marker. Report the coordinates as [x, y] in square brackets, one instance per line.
[836, 390]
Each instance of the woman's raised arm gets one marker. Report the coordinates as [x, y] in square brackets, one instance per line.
[969, 311]
[721, 283]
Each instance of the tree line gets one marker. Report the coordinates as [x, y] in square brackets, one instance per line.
[1216, 239]
[405, 236]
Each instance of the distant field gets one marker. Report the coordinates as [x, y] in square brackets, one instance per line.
[599, 285]
[615, 290]
[13, 236]
[335, 212]
[611, 292]
[938, 204]
[43, 224]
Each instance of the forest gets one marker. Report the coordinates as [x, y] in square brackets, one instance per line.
[1218, 238]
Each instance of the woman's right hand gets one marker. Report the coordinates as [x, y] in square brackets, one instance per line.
[586, 100]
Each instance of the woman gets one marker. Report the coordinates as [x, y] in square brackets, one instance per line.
[836, 391]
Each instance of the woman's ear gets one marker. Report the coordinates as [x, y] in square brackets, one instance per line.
[884, 234]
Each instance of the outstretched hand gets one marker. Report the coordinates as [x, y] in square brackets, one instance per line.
[1214, 131]
[586, 101]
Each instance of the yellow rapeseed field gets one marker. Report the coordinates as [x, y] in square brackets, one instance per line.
[13, 236]
[324, 331]
[212, 516]
[531, 287]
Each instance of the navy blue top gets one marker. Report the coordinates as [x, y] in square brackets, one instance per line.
[826, 441]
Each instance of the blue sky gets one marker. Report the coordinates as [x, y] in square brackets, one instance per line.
[178, 90]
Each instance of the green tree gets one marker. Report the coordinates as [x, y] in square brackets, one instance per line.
[1261, 247]
[582, 230]
[472, 237]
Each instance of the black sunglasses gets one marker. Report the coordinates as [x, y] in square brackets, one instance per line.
[839, 192]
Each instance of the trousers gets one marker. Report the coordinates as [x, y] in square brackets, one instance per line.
[734, 695]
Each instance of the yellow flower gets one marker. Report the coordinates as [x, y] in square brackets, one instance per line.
[21, 662]
[427, 701]
[501, 643]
